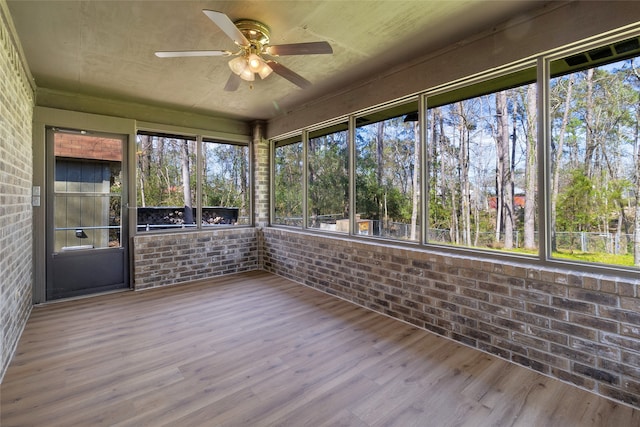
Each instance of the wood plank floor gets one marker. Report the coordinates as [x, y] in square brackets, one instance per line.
[258, 350]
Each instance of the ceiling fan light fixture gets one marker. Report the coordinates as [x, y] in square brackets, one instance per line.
[247, 75]
[255, 62]
[238, 65]
[264, 71]
[252, 37]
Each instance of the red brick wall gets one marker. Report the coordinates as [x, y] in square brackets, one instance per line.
[88, 147]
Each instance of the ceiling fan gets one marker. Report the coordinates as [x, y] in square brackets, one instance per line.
[254, 56]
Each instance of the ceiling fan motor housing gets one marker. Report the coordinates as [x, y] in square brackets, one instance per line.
[256, 32]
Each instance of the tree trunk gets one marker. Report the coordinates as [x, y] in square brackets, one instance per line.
[636, 215]
[415, 197]
[160, 151]
[244, 180]
[312, 200]
[144, 163]
[636, 153]
[590, 145]
[464, 177]
[442, 140]
[454, 232]
[502, 166]
[530, 170]
[555, 165]
[379, 174]
[434, 172]
[186, 181]
[507, 183]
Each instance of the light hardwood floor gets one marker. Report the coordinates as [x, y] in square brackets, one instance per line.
[258, 350]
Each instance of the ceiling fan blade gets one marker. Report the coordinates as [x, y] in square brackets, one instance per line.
[183, 53]
[311, 48]
[288, 74]
[228, 27]
[233, 83]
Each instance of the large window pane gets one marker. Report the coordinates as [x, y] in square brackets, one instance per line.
[166, 182]
[328, 179]
[288, 174]
[482, 169]
[225, 184]
[594, 172]
[388, 175]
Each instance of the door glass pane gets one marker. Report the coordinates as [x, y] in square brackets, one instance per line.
[87, 191]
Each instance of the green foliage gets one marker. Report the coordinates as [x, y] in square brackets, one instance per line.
[384, 170]
[576, 204]
[163, 161]
[226, 176]
[439, 210]
[328, 175]
[288, 181]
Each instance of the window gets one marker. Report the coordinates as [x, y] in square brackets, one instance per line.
[288, 174]
[169, 191]
[481, 171]
[483, 168]
[328, 179]
[166, 181]
[595, 117]
[388, 173]
[225, 184]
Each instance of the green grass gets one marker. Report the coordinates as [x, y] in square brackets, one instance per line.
[566, 254]
[596, 257]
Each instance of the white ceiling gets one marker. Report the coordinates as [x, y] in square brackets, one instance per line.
[106, 48]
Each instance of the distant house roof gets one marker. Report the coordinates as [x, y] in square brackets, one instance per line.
[518, 201]
[88, 147]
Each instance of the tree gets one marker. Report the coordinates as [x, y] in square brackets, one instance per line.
[557, 150]
[381, 194]
[415, 184]
[437, 194]
[636, 177]
[144, 166]
[576, 204]
[464, 128]
[505, 214]
[288, 183]
[186, 179]
[636, 173]
[328, 189]
[530, 168]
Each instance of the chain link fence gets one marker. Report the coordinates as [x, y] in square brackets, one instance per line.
[610, 243]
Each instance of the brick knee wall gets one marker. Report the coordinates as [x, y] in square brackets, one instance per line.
[168, 259]
[580, 328]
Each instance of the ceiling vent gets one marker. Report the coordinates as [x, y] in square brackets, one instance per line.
[599, 54]
[627, 46]
[603, 55]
